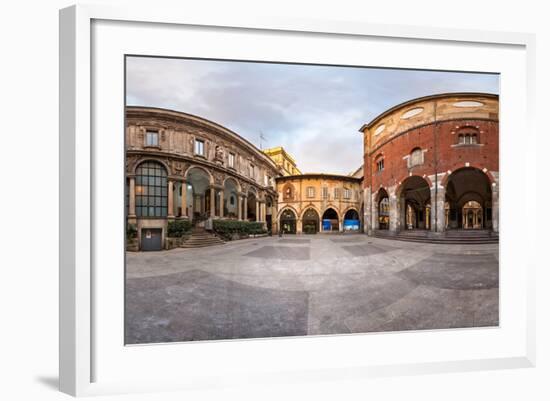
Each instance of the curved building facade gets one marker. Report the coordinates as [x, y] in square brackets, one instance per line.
[180, 166]
[312, 203]
[432, 164]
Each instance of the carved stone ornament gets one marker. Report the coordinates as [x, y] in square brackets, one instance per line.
[218, 157]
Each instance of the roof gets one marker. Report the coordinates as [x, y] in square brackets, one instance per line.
[320, 175]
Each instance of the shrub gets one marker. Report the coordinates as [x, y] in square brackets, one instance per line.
[226, 228]
[131, 231]
[178, 228]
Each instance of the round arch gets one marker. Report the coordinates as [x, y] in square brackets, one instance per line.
[414, 199]
[151, 159]
[204, 170]
[464, 185]
[235, 182]
[382, 210]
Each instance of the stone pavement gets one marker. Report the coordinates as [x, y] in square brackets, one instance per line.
[308, 285]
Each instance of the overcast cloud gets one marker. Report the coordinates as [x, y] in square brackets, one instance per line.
[314, 112]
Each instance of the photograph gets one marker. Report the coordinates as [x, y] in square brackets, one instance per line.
[275, 199]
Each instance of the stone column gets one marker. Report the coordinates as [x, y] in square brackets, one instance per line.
[257, 210]
[221, 203]
[240, 207]
[395, 212]
[367, 211]
[132, 198]
[184, 198]
[299, 226]
[374, 212]
[494, 207]
[212, 202]
[437, 204]
[170, 199]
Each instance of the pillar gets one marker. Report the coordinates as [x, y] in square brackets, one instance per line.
[494, 207]
[212, 202]
[257, 210]
[374, 212]
[299, 226]
[184, 198]
[240, 207]
[221, 203]
[395, 211]
[367, 211]
[170, 199]
[437, 204]
[132, 198]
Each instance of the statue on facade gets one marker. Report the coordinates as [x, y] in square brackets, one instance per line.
[218, 157]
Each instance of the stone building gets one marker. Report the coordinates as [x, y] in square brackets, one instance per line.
[283, 160]
[432, 164]
[312, 203]
[180, 166]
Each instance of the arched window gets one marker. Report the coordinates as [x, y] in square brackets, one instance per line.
[379, 163]
[416, 157]
[151, 190]
[468, 136]
[288, 192]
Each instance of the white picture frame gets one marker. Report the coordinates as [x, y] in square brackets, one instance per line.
[83, 349]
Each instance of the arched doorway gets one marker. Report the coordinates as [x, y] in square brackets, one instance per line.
[351, 221]
[472, 215]
[288, 222]
[383, 210]
[415, 201]
[469, 196]
[331, 220]
[310, 222]
[230, 199]
[251, 208]
[198, 194]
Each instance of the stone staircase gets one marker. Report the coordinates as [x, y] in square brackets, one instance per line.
[448, 237]
[201, 238]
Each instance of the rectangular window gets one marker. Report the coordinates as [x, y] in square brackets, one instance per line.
[380, 165]
[231, 160]
[151, 138]
[336, 193]
[199, 147]
[251, 171]
[310, 192]
[324, 192]
[347, 193]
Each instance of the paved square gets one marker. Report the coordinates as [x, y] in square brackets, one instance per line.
[308, 285]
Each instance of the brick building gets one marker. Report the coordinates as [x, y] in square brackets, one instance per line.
[432, 163]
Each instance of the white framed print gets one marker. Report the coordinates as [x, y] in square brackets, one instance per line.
[274, 200]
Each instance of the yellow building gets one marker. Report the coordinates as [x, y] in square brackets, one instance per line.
[312, 203]
[283, 160]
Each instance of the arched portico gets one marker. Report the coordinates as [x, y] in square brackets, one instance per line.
[198, 200]
[287, 221]
[310, 221]
[351, 220]
[469, 195]
[413, 203]
[330, 220]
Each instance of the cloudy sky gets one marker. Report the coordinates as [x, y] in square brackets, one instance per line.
[314, 112]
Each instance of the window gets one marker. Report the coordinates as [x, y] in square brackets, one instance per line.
[469, 136]
[288, 192]
[199, 147]
[473, 139]
[151, 138]
[231, 160]
[310, 192]
[380, 165]
[416, 158]
[336, 193]
[347, 193]
[251, 171]
[324, 192]
[151, 190]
